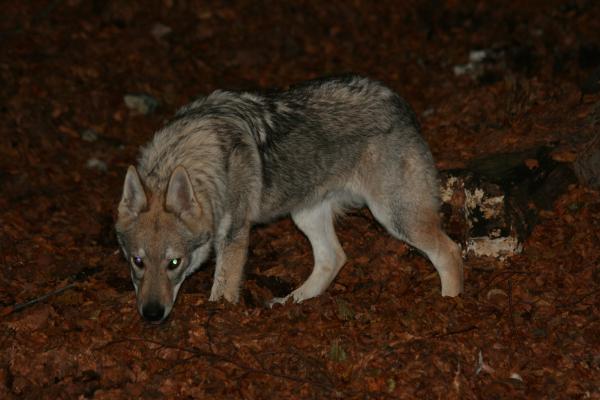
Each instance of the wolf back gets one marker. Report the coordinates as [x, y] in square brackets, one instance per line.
[304, 138]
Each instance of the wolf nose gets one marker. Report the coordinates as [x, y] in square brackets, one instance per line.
[153, 312]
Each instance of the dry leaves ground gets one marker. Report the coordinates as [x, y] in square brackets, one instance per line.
[527, 327]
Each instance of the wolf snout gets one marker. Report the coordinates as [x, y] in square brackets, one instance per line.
[153, 312]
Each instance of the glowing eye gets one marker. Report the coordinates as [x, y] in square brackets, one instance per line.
[174, 263]
[137, 261]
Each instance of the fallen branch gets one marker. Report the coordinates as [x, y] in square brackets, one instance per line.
[18, 307]
[437, 335]
[513, 327]
[76, 279]
[222, 358]
[492, 205]
[506, 275]
[579, 300]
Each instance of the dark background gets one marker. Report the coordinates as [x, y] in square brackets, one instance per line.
[525, 328]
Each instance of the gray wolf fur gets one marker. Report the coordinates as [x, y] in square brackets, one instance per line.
[233, 159]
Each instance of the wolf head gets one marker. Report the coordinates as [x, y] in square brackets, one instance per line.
[165, 236]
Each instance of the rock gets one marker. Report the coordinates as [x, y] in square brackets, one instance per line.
[141, 103]
[477, 56]
[159, 31]
[98, 165]
[89, 136]
[473, 67]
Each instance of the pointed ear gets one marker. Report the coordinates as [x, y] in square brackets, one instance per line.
[180, 194]
[133, 200]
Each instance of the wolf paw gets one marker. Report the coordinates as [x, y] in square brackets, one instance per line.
[216, 293]
[278, 300]
[215, 297]
[452, 286]
[298, 296]
[217, 290]
[232, 296]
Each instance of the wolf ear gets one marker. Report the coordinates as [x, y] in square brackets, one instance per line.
[134, 197]
[180, 194]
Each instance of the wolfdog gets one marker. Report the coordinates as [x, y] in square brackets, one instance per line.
[232, 159]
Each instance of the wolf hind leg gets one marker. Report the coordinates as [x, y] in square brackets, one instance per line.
[317, 224]
[418, 224]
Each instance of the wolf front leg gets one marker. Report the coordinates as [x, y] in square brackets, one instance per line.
[231, 258]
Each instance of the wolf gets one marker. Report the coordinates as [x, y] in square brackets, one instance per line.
[233, 159]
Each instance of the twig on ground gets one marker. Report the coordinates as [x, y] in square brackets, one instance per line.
[513, 328]
[211, 313]
[18, 307]
[77, 278]
[222, 358]
[438, 335]
[508, 274]
[579, 300]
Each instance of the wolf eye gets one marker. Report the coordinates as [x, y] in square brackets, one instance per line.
[137, 261]
[174, 263]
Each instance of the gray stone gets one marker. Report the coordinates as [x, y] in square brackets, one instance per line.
[141, 103]
[89, 136]
[98, 165]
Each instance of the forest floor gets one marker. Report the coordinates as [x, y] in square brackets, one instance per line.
[482, 79]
